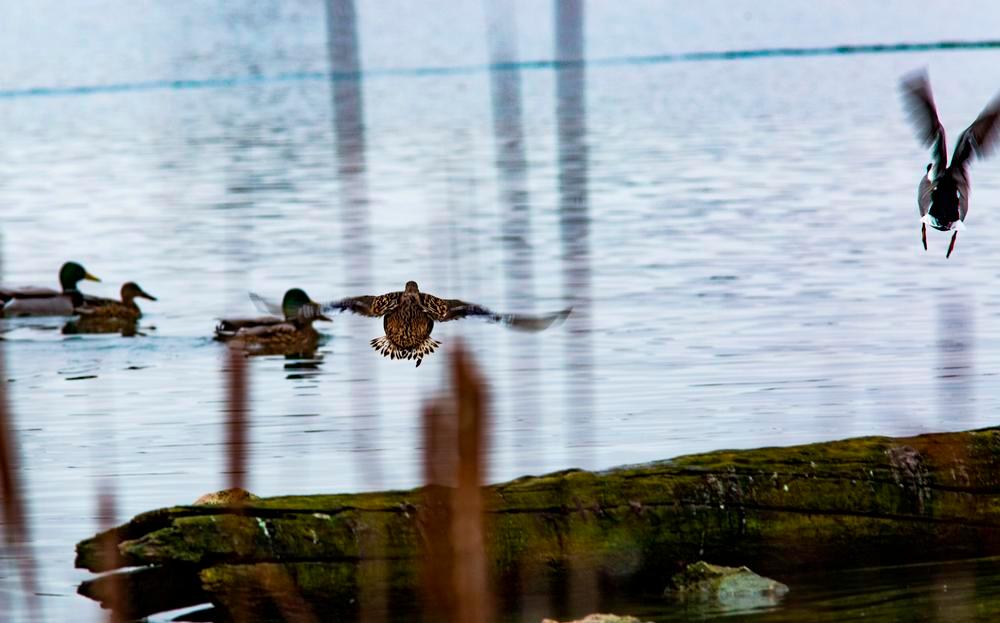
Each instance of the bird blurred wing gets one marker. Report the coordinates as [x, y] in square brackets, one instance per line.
[267, 305]
[980, 138]
[923, 115]
[924, 195]
[963, 195]
[443, 310]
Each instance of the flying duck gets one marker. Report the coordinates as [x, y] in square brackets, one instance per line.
[943, 193]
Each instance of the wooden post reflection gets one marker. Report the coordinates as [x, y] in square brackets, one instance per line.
[574, 217]
[16, 530]
[574, 221]
[527, 593]
[347, 95]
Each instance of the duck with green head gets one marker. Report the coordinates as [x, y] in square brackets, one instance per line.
[41, 301]
[291, 333]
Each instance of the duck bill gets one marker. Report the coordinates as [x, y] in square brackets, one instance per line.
[90, 277]
[146, 295]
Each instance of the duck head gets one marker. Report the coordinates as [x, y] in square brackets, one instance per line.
[132, 291]
[71, 274]
[411, 289]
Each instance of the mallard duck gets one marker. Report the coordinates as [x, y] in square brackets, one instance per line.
[103, 315]
[943, 192]
[125, 309]
[290, 333]
[410, 316]
[40, 301]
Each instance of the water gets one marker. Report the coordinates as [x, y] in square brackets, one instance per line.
[953, 591]
[740, 239]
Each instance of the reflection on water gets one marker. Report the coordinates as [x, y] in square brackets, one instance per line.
[515, 205]
[17, 551]
[574, 219]
[300, 369]
[955, 372]
[349, 140]
[939, 592]
[574, 226]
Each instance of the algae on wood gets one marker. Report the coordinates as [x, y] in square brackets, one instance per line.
[860, 502]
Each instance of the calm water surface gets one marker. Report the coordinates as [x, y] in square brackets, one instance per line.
[740, 240]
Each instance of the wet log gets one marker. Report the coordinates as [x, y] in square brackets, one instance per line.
[861, 502]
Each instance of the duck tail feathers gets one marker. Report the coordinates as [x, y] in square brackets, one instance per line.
[392, 351]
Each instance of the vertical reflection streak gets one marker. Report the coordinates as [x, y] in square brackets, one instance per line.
[955, 371]
[16, 526]
[574, 223]
[956, 376]
[574, 220]
[519, 278]
[515, 203]
[349, 140]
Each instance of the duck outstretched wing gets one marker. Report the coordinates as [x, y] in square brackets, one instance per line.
[373, 306]
[924, 195]
[919, 102]
[266, 305]
[979, 139]
[443, 310]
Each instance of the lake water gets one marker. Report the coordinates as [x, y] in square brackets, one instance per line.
[739, 238]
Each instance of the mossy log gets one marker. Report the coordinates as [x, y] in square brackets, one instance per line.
[860, 502]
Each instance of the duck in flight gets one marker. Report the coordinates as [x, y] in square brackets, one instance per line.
[409, 317]
[943, 193]
[41, 301]
[288, 332]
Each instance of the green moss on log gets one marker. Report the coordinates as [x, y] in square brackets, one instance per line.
[866, 501]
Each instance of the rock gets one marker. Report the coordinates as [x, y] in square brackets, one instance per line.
[226, 497]
[733, 588]
[600, 618]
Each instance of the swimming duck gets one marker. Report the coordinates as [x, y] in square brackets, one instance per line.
[943, 193]
[290, 333]
[125, 309]
[38, 301]
[410, 316]
[103, 315]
